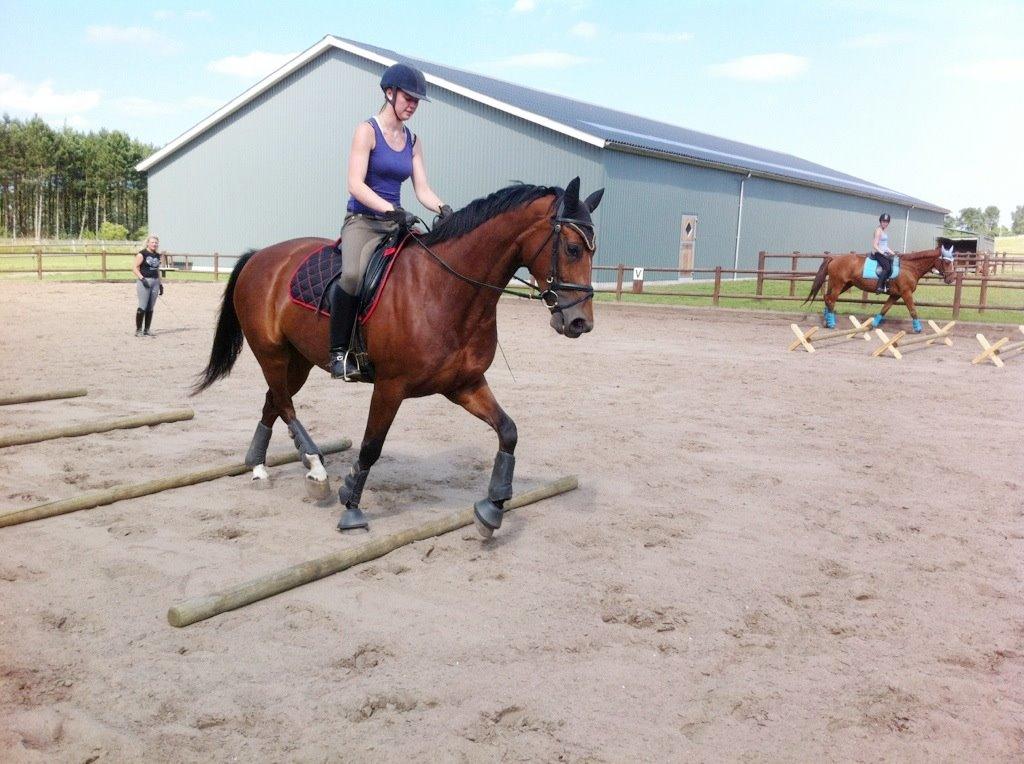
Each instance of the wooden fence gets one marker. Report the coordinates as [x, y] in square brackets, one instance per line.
[46, 261]
[984, 271]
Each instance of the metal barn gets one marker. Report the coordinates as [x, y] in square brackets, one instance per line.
[270, 165]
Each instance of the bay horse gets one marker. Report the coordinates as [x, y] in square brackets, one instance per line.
[845, 271]
[434, 329]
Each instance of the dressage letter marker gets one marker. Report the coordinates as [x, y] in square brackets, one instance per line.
[134, 490]
[103, 425]
[274, 583]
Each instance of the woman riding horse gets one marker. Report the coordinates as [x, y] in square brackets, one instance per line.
[434, 328]
[846, 271]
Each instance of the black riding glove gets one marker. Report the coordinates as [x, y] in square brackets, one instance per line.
[404, 218]
[161, 288]
[144, 282]
[444, 212]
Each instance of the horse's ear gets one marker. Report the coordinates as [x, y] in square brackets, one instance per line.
[571, 200]
[594, 199]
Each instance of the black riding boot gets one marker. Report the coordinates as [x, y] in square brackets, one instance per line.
[148, 320]
[139, 313]
[882, 287]
[343, 317]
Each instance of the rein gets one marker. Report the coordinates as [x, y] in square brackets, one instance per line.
[555, 284]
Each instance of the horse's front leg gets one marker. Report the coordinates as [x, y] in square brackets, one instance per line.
[908, 300]
[880, 315]
[383, 408]
[479, 401]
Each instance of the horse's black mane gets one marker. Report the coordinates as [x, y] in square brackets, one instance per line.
[480, 211]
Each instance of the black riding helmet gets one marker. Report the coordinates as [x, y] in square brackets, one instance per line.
[406, 78]
[884, 218]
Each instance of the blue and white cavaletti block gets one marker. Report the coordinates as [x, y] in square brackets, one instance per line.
[872, 269]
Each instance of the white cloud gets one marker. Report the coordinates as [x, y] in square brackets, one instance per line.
[148, 107]
[255, 65]
[872, 40]
[585, 29]
[667, 36]
[766, 67]
[111, 35]
[1000, 70]
[22, 97]
[524, 6]
[547, 59]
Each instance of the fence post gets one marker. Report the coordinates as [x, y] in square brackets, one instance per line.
[957, 291]
[39, 262]
[718, 285]
[983, 296]
[103, 263]
[792, 272]
[760, 273]
[216, 266]
[618, 282]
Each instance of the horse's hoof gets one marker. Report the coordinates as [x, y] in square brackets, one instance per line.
[318, 490]
[260, 477]
[353, 519]
[487, 516]
[482, 529]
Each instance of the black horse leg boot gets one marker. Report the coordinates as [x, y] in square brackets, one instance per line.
[343, 317]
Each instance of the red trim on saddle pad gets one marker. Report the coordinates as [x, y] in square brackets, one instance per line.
[308, 306]
[392, 255]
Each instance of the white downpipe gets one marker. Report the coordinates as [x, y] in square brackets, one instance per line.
[739, 230]
[906, 229]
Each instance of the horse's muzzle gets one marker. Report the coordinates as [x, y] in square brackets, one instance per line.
[572, 328]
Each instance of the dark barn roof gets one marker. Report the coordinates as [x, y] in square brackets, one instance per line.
[630, 132]
[596, 125]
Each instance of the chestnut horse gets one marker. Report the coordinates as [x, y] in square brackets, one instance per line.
[845, 271]
[434, 329]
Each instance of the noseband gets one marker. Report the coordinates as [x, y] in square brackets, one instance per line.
[549, 296]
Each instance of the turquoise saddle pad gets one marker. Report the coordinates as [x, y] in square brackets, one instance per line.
[871, 268]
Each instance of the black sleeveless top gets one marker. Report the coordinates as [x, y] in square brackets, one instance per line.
[150, 266]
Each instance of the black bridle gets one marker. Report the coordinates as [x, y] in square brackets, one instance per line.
[554, 283]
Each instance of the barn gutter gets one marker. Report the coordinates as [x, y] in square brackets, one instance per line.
[739, 229]
[906, 228]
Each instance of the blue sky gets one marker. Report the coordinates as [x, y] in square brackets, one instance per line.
[926, 98]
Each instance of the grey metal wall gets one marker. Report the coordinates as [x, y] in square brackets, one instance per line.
[647, 198]
[276, 169]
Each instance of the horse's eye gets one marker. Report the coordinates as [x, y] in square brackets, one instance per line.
[574, 251]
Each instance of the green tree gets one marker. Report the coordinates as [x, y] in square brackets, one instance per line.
[1017, 220]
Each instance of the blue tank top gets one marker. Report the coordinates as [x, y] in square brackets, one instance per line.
[387, 170]
[883, 242]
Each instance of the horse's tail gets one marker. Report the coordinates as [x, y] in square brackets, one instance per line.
[227, 340]
[819, 279]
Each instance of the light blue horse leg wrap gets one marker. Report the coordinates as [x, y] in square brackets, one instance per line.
[257, 453]
[877, 320]
[500, 488]
[917, 326]
[830, 319]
